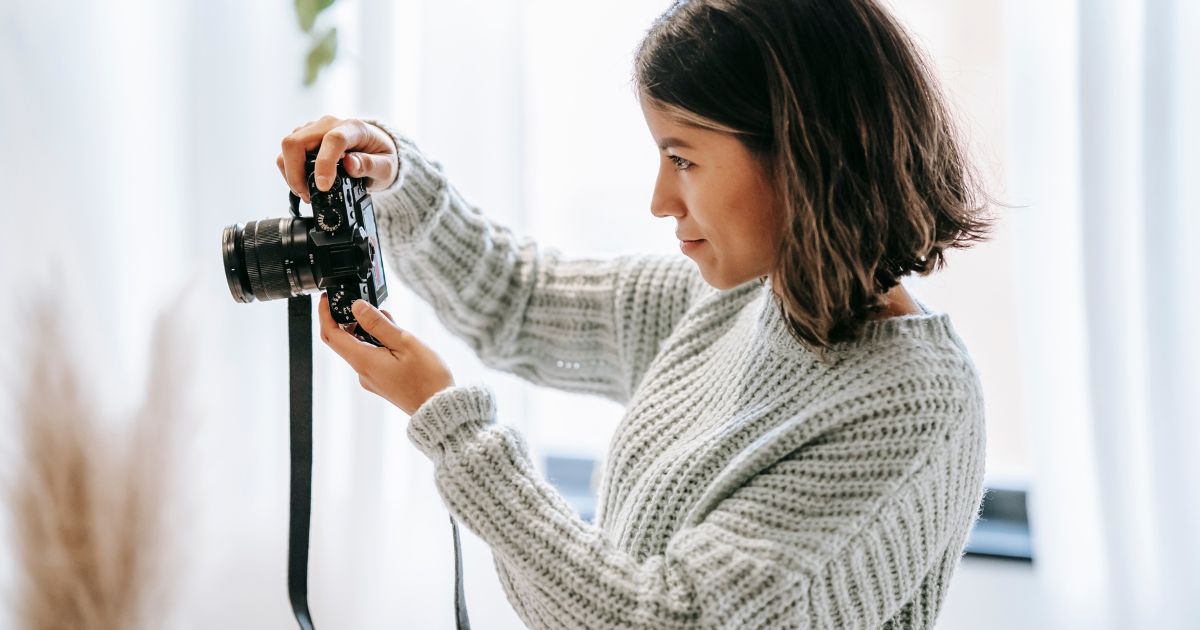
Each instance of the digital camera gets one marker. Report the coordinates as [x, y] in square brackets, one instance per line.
[336, 250]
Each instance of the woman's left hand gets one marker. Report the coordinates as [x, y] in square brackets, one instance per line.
[404, 372]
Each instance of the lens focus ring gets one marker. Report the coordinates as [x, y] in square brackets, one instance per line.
[264, 258]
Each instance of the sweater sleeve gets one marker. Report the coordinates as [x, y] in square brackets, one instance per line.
[585, 325]
[840, 533]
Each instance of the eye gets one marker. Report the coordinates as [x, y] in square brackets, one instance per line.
[680, 163]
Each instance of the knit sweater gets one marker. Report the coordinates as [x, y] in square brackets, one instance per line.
[748, 484]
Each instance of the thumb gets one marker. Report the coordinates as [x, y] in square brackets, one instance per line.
[377, 324]
[378, 170]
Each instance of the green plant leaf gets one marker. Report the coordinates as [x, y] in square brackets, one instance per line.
[307, 11]
[320, 56]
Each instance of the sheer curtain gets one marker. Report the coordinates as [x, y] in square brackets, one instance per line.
[1105, 150]
[132, 132]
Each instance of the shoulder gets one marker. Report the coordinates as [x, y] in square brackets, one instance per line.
[897, 404]
[923, 371]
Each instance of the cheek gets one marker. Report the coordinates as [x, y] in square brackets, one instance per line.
[763, 219]
[739, 222]
[767, 227]
[751, 240]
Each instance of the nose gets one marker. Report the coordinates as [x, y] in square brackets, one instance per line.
[666, 202]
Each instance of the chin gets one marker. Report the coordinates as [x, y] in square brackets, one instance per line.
[721, 282]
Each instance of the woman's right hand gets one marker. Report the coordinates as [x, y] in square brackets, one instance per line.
[370, 153]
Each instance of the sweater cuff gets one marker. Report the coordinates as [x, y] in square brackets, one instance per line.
[451, 418]
[408, 208]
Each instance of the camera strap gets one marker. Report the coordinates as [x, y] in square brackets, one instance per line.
[300, 508]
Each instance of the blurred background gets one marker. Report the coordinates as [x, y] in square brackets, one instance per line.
[133, 131]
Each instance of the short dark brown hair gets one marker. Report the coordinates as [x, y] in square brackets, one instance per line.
[843, 109]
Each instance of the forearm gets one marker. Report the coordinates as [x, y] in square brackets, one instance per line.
[487, 480]
[584, 325]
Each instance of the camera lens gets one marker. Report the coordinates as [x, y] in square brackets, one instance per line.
[235, 263]
[268, 259]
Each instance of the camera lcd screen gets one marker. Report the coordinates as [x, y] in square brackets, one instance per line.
[373, 236]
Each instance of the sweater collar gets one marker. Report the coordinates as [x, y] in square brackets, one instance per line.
[929, 325]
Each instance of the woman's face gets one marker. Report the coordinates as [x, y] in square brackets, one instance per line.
[720, 196]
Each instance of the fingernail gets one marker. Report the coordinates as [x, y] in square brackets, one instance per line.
[352, 163]
[322, 182]
[358, 306]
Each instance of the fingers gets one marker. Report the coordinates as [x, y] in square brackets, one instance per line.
[294, 146]
[378, 170]
[375, 159]
[355, 352]
[353, 164]
[279, 161]
[345, 136]
[378, 325]
[292, 156]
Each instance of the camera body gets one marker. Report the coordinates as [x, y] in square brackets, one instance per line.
[336, 250]
[344, 241]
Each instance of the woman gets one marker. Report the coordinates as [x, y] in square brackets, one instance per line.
[803, 444]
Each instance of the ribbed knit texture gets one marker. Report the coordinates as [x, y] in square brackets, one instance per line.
[747, 486]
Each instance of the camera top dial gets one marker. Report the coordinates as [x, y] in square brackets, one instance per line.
[330, 219]
[329, 207]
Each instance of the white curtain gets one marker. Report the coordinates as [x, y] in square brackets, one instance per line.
[131, 133]
[1105, 153]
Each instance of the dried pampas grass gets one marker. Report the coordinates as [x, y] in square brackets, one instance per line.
[88, 498]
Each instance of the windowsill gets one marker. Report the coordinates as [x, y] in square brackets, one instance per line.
[1002, 530]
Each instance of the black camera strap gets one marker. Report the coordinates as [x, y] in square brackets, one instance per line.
[300, 373]
[460, 601]
[300, 509]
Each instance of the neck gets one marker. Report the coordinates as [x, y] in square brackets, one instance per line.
[896, 302]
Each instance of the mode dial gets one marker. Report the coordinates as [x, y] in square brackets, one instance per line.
[330, 219]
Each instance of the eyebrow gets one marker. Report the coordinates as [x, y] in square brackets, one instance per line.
[673, 142]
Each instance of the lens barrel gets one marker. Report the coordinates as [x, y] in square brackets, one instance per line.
[268, 259]
[235, 263]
